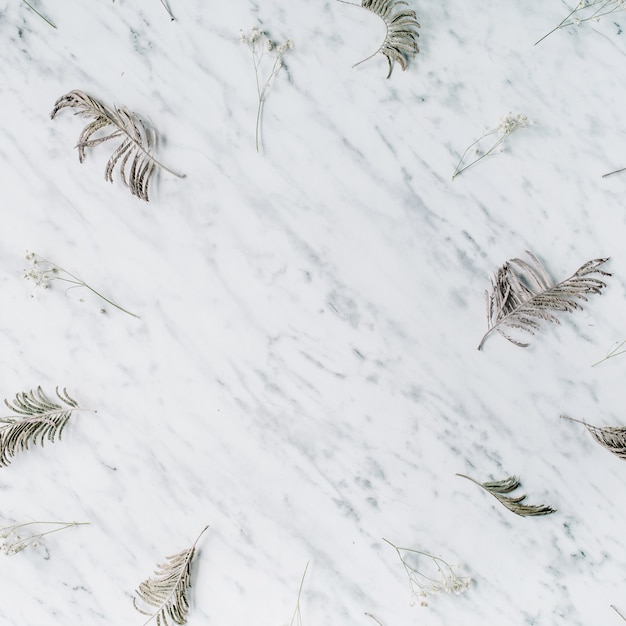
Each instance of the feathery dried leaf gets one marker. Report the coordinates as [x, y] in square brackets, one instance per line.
[134, 156]
[36, 419]
[400, 43]
[167, 592]
[522, 296]
[613, 438]
[499, 488]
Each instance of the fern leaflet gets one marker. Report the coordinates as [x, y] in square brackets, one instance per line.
[167, 591]
[499, 490]
[36, 419]
[522, 296]
[134, 156]
[400, 42]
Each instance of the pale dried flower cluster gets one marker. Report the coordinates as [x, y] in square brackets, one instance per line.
[13, 542]
[481, 148]
[509, 124]
[262, 47]
[442, 577]
[42, 272]
[588, 10]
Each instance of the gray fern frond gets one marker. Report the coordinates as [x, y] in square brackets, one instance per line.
[134, 155]
[522, 296]
[498, 489]
[400, 43]
[36, 419]
[167, 591]
[613, 438]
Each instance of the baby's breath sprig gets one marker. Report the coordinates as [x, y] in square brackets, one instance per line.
[587, 10]
[442, 579]
[14, 542]
[261, 46]
[41, 15]
[507, 126]
[42, 272]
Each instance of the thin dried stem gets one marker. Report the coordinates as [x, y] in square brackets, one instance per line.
[616, 351]
[297, 615]
[41, 15]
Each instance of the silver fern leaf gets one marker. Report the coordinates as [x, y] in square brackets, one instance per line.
[167, 591]
[134, 155]
[522, 296]
[400, 43]
[613, 438]
[498, 489]
[36, 419]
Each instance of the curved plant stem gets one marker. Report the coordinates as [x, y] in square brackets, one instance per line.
[297, 616]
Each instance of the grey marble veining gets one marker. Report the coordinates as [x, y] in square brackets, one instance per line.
[304, 374]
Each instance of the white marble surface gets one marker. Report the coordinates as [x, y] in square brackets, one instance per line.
[304, 376]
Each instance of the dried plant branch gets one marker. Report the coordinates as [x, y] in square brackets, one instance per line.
[587, 10]
[167, 591]
[14, 543]
[41, 15]
[507, 126]
[400, 42]
[261, 45]
[42, 272]
[35, 419]
[522, 296]
[443, 578]
[616, 351]
[613, 438]
[498, 489]
[134, 155]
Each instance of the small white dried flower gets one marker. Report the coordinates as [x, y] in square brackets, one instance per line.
[286, 45]
[42, 272]
[17, 543]
[263, 80]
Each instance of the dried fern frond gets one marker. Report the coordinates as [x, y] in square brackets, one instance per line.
[134, 155]
[522, 296]
[167, 592]
[36, 418]
[498, 489]
[613, 438]
[400, 43]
